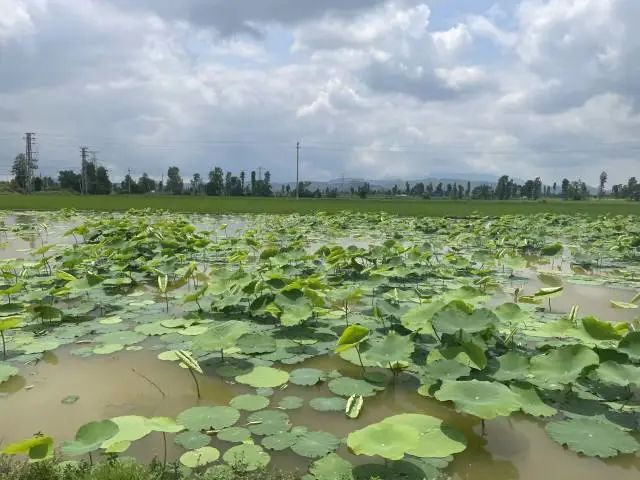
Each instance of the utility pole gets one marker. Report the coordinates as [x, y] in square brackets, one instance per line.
[84, 151]
[30, 139]
[94, 162]
[298, 171]
[260, 172]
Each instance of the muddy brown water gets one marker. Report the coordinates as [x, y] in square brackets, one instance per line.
[512, 448]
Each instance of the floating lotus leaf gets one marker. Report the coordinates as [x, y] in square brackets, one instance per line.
[305, 376]
[130, 429]
[247, 456]
[164, 424]
[250, 403]
[485, 400]
[39, 447]
[315, 444]
[623, 305]
[251, 343]
[279, 441]
[125, 337]
[42, 345]
[592, 437]
[7, 371]
[69, 399]
[418, 319]
[436, 439]
[464, 293]
[601, 330]
[90, 437]
[108, 349]
[193, 330]
[328, 404]
[613, 373]
[561, 366]
[387, 440]
[7, 323]
[199, 457]
[511, 366]
[458, 316]
[208, 418]
[192, 440]
[268, 422]
[392, 348]
[351, 336]
[111, 320]
[331, 467]
[264, 377]
[290, 403]
[530, 401]
[630, 345]
[153, 329]
[346, 386]
[294, 313]
[354, 406]
[176, 323]
[234, 434]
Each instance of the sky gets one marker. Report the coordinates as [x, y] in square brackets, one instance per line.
[371, 88]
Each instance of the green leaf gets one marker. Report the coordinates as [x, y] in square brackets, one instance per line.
[7, 323]
[393, 348]
[264, 377]
[90, 437]
[418, 319]
[387, 440]
[346, 386]
[221, 337]
[436, 440]
[485, 400]
[354, 406]
[208, 418]
[268, 422]
[234, 435]
[613, 373]
[248, 457]
[164, 424]
[328, 404]
[252, 343]
[250, 403]
[315, 444]
[305, 376]
[530, 401]
[188, 359]
[199, 457]
[7, 371]
[351, 336]
[130, 429]
[600, 330]
[511, 366]
[192, 440]
[561, 366]
[630, 345]
[592, 437]
[623, 305]
[279, 441]
[331, 467]
[457, 316]
[550, 292]
[39, 447]
[290, 403]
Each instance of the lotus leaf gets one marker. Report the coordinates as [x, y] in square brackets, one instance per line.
[130, 429]
[192, 440]
[7, 371]
[630, 345]
[485, 400]
[458, 316]
[268, 422]
[351, 336]
[592, 437]
[418, 319]
[279, 441]
[530, 401]
[391, 349]
[354, 406]
[208, 418]
[199, 457]
[305, 376]
[234, 434]
[315, 444]
[387, 440]
[251, 343]
[265, 377]
[511, 366]
[250, 403]
[331, 467]
[90, 437]
[328, 404]
[346, 386]
[247, 456]
[600, 330]
[613, 373]
[290, 403]
[561, 366]
[39, 447]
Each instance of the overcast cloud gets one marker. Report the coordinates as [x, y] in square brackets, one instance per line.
[374, 89]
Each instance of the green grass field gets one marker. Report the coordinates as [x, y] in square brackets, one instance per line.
[409, 207]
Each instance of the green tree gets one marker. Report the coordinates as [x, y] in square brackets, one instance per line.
[603, 182]
[216, 182]
[103, 183]
[175, 184]
[20, 171]
[146, 184]
[69, 180]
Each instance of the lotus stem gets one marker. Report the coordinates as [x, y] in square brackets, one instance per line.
[164, 457]
[196, 382]
[549, 304]
[483, 427]
[4, 347]
[360, 358]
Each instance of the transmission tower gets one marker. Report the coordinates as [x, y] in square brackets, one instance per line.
[30, 158]
[84, 154]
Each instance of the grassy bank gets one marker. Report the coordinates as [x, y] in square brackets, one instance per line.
[409, 207]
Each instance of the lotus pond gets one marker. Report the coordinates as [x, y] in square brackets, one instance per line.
[343, 346]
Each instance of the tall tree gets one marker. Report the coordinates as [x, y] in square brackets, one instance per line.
[175, 184]
[20, 170]
[196, 182]
[603, 182]
[103, 184]
[253, 182]
[564, 189]
[216, 182]
[69, 180]
[146, 184]
[242, 179]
